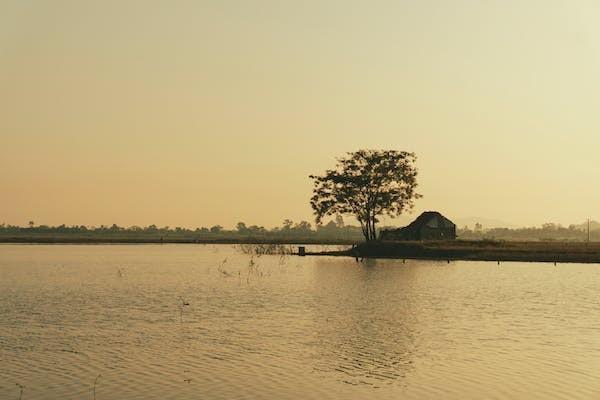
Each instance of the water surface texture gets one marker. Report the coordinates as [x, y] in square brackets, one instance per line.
[209, 322]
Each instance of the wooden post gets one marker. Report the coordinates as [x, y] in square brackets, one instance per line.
[301, 251]
[588, 231]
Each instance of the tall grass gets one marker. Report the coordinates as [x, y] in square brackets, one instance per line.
[265, 249]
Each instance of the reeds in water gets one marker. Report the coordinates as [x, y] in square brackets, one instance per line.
[222, 270]
[21, 387]
[182, 303]
[265, 249]
[95, 384]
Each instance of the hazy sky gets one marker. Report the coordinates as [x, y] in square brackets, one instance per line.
[193, 113]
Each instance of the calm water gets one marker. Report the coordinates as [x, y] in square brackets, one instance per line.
[291, 328]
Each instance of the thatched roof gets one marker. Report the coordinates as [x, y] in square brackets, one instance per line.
[430, 225]
[432, 219]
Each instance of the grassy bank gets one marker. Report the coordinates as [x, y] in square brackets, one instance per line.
[478, 251]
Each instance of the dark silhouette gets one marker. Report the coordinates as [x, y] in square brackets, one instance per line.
[367, 184]
[431, 225]
[332, 232]
[216, 229]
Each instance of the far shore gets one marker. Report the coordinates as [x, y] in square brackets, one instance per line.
[71, 239]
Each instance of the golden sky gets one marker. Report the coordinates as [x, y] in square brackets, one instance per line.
[193, 113]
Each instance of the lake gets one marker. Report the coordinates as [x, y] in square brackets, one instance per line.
[210, 322]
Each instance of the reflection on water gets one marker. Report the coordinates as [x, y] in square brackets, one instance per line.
[363, 325]
[188, 322]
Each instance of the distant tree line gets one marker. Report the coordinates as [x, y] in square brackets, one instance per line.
[545, 232]
[289, 231]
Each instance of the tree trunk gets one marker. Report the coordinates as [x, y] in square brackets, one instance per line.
[368, 228]
[365, 229]
[373, 230]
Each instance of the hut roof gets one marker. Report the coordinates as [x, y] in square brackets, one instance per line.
[432, 219]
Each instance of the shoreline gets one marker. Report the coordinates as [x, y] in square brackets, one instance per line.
[547, 252]
[459, 250]
[123, 240]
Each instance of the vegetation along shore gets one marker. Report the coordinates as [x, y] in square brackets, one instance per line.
[484, 250]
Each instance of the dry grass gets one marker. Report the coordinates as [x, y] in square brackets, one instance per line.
[487, 250]
[266, 249]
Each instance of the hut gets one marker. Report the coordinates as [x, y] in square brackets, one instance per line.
[431, 225]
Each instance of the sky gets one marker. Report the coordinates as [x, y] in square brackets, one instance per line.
[196, 113]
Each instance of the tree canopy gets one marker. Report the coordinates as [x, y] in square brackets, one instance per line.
[367, 184]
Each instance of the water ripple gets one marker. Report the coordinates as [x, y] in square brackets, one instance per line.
[290, 328]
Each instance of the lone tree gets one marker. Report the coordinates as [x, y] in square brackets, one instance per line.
[367, 184]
